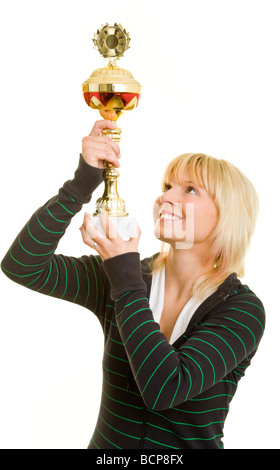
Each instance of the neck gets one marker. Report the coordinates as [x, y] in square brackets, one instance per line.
[183, 268]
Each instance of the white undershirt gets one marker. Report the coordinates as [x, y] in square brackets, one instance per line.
[157, 301]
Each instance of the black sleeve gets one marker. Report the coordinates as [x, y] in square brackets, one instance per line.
[31, 260]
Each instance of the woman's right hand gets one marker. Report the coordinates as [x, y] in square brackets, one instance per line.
[96, 148]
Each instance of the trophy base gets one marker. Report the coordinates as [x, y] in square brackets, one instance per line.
[126, 226]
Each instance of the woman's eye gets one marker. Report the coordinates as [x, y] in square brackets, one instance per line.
[166, 187]
[191, 190]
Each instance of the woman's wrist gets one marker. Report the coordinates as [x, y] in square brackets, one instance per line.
[86, 179]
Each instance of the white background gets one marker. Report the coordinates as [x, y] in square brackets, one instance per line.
[210, 77]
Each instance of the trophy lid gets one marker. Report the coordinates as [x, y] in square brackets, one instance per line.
[112, 79]
[112, 42]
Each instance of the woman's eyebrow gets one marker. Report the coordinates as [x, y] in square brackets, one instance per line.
[189, 182]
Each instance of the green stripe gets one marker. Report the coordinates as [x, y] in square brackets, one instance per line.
[185, 438]
[250, 303]
[137, 311]
[179, 381]
[25, 265]
[108, 440]
[190, 379]
[247, 313]
[58, 220]
[47, 230]
[123, 403]
[21, 275]
[156, 331]
[72, 213]
[66, 278]
[27, 285]
[46, 281]
[113, 340]
[186, 424]
[157, 369]
[123, 296]
[127, 305]
[202, 375]
[78, 280]
[121, 417]
[244, 326]
[118, 431]
[163, 388]
[160, 443]
[200, 412]
[233, 332]
[210, 398]
[115, 357]
[96, 285]
[148, 356]
[229, 381]
[88, 282]
[210, 344]
[41, 243]
[200, 352]
[95, 444]
[215, 334]
[34, 254]
[72, 199]
[113, 372]
[56, 277]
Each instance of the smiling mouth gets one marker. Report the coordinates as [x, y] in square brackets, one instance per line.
[166, 216]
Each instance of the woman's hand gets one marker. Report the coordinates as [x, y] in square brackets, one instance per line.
[96, 148]
[107, 247]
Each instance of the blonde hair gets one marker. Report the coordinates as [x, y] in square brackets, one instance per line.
[237, 204]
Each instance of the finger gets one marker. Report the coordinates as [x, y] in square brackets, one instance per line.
[92, 157]
[102, 124]
[94, 151]
[102, 143]
[86, 238]
[109, 226]
[91, 229]
[87, 218]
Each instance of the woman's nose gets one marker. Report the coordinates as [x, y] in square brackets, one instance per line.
[172, 196]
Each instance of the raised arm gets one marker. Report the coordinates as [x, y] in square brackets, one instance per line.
[31, 260]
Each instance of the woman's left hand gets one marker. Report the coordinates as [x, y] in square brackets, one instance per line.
[107, 247]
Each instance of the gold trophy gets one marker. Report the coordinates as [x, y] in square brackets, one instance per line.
[112, 91]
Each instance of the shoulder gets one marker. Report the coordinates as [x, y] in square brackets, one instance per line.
[241, 309]
[246, 303]
[242, 298]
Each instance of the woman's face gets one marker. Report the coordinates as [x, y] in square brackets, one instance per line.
[184, 214]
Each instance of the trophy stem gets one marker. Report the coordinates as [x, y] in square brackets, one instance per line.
[114, 134]
[111, 201]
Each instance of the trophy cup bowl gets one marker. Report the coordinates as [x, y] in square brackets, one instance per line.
[112, 91]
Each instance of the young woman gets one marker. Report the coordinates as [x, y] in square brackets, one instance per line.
[180, 328]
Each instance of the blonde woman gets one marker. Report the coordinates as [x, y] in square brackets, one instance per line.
[180, 328]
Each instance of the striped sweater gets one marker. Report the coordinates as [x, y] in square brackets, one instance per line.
[155, 395]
